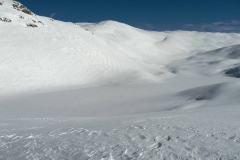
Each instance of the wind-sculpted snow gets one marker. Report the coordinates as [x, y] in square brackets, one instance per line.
[111, 91]
[195, 134]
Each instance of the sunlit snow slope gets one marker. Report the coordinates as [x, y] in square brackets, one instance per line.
[58, 54]
[111, 91]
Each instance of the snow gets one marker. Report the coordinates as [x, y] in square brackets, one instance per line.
[112, 91]
[101, 54]
[6, 2]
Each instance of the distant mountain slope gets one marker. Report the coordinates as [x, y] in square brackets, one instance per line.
[41, 53]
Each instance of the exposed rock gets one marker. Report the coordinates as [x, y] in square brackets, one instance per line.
[21, 17]
[0, 3]
[41, 22]
[5, 19]
[20, 7]
[31, 25]
[234, 72]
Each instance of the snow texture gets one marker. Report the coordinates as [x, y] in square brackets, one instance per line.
[111, 91]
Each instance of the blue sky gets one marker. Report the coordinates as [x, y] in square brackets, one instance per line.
[160, 15]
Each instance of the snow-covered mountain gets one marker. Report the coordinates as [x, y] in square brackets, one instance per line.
[141, 83]
[58, 54]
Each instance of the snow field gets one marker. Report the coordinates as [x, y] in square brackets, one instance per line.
[111, 91]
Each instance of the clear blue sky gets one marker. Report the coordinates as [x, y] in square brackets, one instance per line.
[205, 15]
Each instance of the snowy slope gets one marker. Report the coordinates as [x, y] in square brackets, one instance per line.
[111, 91]
[58, 54]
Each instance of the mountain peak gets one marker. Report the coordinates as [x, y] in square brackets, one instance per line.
[20, 7]
[15, 5]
